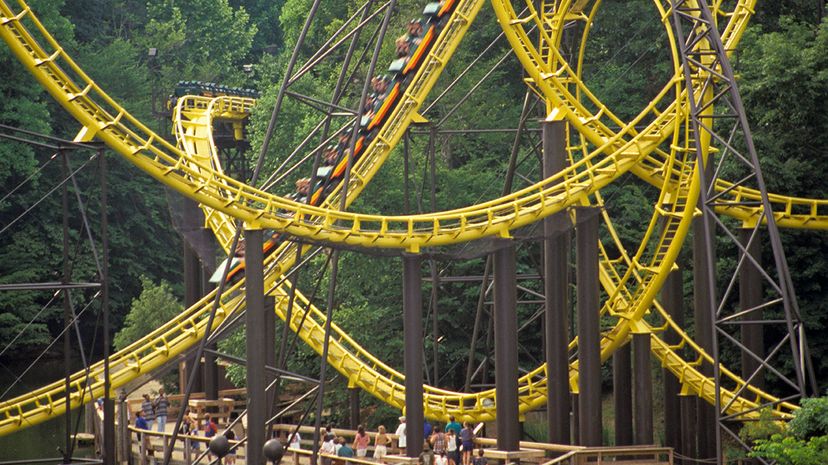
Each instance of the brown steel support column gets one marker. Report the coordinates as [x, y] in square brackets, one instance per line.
[589, 335]
[269, 349]
[689, 432]
[353, 397]
[256, 333]
[643, 392]
[750, 296]
[506, 347]
[706, 421]
[556, 230]
[413, 356]
[672, 298]
[622, 396]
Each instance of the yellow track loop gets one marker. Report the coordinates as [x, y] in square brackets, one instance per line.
[216, 191]
[630, 306]
[140, 145]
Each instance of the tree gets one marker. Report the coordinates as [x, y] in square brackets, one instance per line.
[155, 306]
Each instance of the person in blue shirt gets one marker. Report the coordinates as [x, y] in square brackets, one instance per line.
[452, 424]
[141, 422]
[345, 450]
[427, 429]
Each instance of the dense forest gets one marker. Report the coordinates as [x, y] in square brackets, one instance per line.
[782, 65]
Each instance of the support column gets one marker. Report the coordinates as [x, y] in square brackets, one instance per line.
[689, 433]
[556, 292]
[589, 335]
[750, 296]
[413, 357]
[506, 347]
[672, 297]
[192, 292]
[643, 377]
[256, 333]
[353, 396]
[269, 353]
[622, 396]
[706, 422]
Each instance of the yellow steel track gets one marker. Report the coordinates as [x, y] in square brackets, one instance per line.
[631, 282]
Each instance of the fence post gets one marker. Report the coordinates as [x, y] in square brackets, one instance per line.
[187, 448]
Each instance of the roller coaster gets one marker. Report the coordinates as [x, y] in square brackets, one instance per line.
[658, 146]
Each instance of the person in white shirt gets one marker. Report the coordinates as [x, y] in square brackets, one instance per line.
[441, 459]
[295, 444]
[401, 436]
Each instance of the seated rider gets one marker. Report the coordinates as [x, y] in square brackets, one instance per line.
[330, 155]
[302, 189]
[379, 84]
[402, 45]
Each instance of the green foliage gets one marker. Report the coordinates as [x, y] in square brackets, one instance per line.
[811, 420]
[155, 306]
[788, 450]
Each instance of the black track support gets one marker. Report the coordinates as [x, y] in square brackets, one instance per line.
[750, 296]
[413, 357]
[270, 353]
[256, 333]
[589, 335]
[109, 402]
[622, 396]
[706, 423]
[353, 398]
[643, 392]
[506, 347]
[192, 291]
[67, 313]
[689, 431]
[556, 230]
[673, 300]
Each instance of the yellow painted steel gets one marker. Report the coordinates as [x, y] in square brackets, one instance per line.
[112, 124]
[632, 291]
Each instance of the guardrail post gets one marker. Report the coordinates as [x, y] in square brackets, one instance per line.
[256, 334]
[506, 347]
[188, 460]
[556, 231]
[413, 356]
[589, 335]
[124, 446]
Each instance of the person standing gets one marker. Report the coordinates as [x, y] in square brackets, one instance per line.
[452, 448]
[327, 449]
[381, 442]
[361, 441]
[295, 444]
[480, 460]
[401, 436]
[453, 425]
[148, 411]
[438, 441]
[143, 439]
[467, 446]
[441, 459]
[160, 405]
[427, 455]
[210, 430]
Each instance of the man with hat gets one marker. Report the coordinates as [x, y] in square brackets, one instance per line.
[401, 436]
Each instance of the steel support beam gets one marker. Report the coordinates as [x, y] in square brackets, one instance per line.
[353, 397]
[672, 298]
[689, 428]
[506, 347]
[109, 457]
[589, 334]
[192, 292]
[706, 423]
[556, 291]
[269, 352]
[750, 296]
[256, 333]
[413, 357]
[622, 396]
[643, 392]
